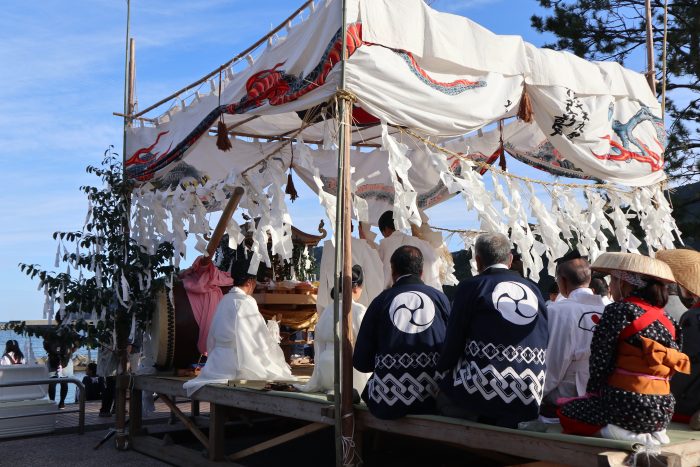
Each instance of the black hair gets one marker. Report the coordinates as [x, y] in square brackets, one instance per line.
[599, 286]
[240, 267]
[407, 260]
[358, 278]
[386, 221]
[92, 367]
[655, 292]
[554, 288]
[13, 346]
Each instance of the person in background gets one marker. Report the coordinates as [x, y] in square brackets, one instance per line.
[554, 294]
[94, 385]
[675, 306]
[496, 344]
[400, 341]
[685, 265]
[599, 286]
[322, 377]
[571, 323]
[13, 355]
[59, 363]
[635, 351]
[394, 239]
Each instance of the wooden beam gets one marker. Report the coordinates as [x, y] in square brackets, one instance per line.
[218, 414]
[185, 420]
[135, 412]
[218, 234]
[271, 443]
[242, 122]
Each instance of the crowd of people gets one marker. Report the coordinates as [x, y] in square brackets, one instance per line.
[598, 357]
[608, 357]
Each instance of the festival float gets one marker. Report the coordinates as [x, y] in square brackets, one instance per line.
[373, 116]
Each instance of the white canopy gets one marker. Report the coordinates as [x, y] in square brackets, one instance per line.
[417, 77]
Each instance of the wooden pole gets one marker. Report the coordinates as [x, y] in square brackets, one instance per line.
[344, 417]
[122, 379]
[220, 229]
[651, 70]
[663, 63]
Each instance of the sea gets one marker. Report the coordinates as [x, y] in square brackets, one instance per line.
[37, 347]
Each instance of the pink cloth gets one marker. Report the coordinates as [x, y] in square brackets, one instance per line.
[203, 286]
[643, 375]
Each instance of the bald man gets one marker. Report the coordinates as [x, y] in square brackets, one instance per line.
[571, 324]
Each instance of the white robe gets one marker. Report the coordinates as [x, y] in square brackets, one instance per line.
[322, 377]
[362, 254]
[571, 322]
[431, 261]
[240, 346]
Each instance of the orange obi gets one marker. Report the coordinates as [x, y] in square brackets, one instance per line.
[647, 370]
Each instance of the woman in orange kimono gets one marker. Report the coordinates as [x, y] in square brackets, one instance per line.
[634, 352]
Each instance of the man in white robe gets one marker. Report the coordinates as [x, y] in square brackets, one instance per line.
[239, 345]
[571, 324]
[393, 239]
[363, 255]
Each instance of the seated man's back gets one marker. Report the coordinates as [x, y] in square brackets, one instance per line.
[400, 341]
[571, 323]
[496, 342]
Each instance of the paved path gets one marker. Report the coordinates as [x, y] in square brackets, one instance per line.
[69, 450]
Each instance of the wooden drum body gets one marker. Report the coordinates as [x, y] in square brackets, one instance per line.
[174, 331]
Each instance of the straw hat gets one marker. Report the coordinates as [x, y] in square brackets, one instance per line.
[632, 262]
[685, 265]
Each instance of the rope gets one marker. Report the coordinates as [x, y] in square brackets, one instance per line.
[605, 186]
[345, 95]
[457, 231]
[349, 448]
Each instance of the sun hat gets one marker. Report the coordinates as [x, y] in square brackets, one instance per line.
[635, 263]
[685, 265]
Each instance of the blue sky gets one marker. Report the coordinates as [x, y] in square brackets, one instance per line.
[62, 77]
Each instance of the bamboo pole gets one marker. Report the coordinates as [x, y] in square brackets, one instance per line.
[651, 70]
[227, 64]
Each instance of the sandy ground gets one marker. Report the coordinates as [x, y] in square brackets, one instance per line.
[69, 450]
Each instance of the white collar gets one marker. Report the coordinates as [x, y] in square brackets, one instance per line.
[495, 266]
[580, 291]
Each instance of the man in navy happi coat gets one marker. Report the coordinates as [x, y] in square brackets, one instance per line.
[496, 342]
[400, 341]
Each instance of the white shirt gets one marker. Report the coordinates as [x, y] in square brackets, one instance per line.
[571, 322]
[372, 270]
[240, 346]
[431, 263]
[8, 360]
[324, 364]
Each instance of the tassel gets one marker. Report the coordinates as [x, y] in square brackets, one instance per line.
[501, 148]
[222, 141]
[525, 109]
[290, 189]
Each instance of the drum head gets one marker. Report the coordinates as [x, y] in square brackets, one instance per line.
[163, 330]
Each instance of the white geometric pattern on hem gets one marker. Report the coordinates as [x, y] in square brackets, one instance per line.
[502, 352]
[405, 389]
[407, 360]
[507, 384]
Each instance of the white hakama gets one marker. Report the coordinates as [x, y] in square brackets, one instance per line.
[322, 377]
[240, 346]
[372, 270]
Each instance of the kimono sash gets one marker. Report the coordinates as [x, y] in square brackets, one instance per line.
[647, 370]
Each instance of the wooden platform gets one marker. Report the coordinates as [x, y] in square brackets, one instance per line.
[315, 409]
